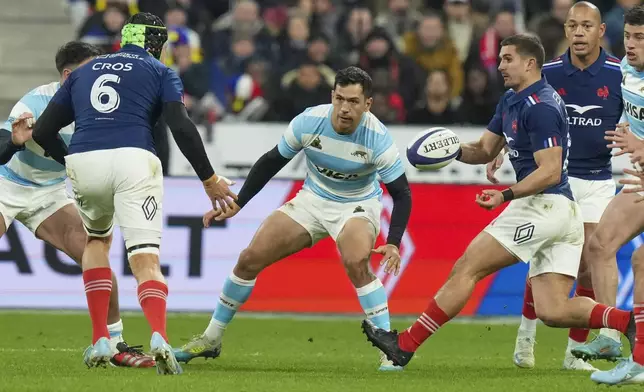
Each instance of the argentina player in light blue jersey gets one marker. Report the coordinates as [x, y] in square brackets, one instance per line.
[33, 190]
[346, 147]
[624, 218]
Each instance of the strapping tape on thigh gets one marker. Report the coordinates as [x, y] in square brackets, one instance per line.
[143, 248]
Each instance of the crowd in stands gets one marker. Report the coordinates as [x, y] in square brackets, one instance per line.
[432, 61]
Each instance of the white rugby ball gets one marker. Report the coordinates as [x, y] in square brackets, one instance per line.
[433, 148]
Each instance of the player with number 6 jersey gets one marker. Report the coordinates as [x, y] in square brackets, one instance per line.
[115, 100]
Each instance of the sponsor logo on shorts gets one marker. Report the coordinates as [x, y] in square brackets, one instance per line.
[523, 233]
[149, 207]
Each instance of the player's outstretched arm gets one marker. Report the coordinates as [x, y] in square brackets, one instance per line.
[483, 150]
[187, 137]
[266, 167]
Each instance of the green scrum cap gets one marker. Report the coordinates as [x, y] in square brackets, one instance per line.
[146, 31]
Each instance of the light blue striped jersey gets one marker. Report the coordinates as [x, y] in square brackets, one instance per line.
[31, 167]
[633, 95]
[342, 167]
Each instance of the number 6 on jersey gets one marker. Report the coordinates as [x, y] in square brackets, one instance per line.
[100, 90]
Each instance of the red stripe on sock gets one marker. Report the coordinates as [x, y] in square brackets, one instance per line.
[528, 303]
[638, 351]
[580, 335]
[603, 316]
[98, 287]
[426, 325]
[152, 297]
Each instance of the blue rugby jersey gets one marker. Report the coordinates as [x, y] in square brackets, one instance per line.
[532, 120]
[116, 99]
[593, 97]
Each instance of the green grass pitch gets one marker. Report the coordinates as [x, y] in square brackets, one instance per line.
[42, 351]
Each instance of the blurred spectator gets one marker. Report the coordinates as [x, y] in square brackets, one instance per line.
[294, 43]
[490, 43]
[402, 75]
[275, 19]
[358, 25]
[432, 49]
[479, 99]
[398, 19]
[436, 106]
[388, 107]
[301, 88]
[614, 20]
[175, 19]
[461, 28]
[325, 17]
[319, 51]
[242, 20]
[549, 28]
[201, 104]
[103, 28]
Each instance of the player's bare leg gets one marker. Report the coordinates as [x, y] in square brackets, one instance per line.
[64, 231]
[526, 337]
[278, 237]
[631, 371]
[355, 242]
[484, 256]
[622, 220]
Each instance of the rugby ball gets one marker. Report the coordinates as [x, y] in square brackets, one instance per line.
[433, 149]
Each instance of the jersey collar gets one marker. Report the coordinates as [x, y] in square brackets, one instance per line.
[133, 48]
[525, 93]
[593, 69]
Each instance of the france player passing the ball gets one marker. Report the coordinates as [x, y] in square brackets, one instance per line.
[345, 146]
[542, 223]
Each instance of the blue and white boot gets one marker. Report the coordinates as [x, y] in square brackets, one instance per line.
[626, 372]
[164, 356]
[99, 354]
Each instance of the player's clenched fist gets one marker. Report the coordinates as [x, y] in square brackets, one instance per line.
[220, 195]
[21, 129]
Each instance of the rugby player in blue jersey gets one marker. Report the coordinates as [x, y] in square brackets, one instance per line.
[588, 80]
[542, 223]
[114, 101]
[34, 192]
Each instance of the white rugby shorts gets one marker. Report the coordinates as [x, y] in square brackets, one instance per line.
[593, 196]
[545, 230]
[122, 183]
[31, 205]
[322, 218]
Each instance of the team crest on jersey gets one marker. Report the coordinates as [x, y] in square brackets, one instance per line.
[603, 92]
[316, 143]
[515, 126]
[361, 154]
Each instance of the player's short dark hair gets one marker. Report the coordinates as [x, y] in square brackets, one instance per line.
[151, 37]
[354, 75]
[527, 46]
[73, 53]
[635, 16]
